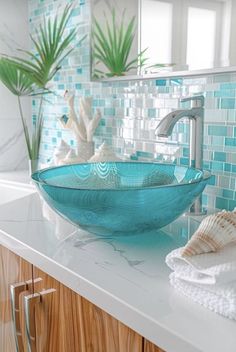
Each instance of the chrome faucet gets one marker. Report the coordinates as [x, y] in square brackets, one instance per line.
[195, 115]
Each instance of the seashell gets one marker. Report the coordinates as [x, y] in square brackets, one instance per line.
[104, 153]
[214, 232]
[71, 158]
[60, 152]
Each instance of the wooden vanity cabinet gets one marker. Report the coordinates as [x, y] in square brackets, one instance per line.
[62, 321]
[76, 325]
[13, 270]
[150, 347]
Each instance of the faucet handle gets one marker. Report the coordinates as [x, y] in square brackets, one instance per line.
[197, 101]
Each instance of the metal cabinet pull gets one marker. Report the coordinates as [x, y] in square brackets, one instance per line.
[15, 291]
[30, 303]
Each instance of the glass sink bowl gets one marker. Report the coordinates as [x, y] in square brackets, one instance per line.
[120, 197]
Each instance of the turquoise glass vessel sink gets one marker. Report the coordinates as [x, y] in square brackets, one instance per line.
[120, 197]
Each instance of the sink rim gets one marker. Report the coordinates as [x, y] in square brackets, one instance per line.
[205, 175]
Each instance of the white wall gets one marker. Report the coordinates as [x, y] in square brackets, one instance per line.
[13, 34]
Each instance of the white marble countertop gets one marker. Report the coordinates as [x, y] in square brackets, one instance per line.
[20, 178]
[125, 276]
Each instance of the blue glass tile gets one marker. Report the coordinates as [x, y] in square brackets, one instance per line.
[78, 86]
[232, 204]
[233, 168]
[217, 166]
[222, 203]
[95, 102]
[102, 122]
[61, 86]
[151, 112]
[227, 103]
[219, 156]
[186, 152]
[184, 161]
[212, 180]
[225, 93]
[109, 111]
[217, 130]
[79, 71]
[161, 82]
[176, 81]
[227, 167]
[206, 165]
[217, 140]
[230, 142]
[101, 102]
[228, 86]
[141, 154]
[227, 193]
[75, 12]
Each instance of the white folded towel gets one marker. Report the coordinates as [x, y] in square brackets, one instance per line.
[209, 279]
[207, 268]
[219, 298]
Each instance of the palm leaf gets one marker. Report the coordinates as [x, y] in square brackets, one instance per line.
[16, 80]
[50, 49]
[112, 47]
[30, 75]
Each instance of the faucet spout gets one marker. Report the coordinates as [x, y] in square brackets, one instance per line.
[195, 115]
[165, 127]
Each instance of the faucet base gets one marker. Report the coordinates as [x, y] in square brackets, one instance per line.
[196, 208]
[196, 213]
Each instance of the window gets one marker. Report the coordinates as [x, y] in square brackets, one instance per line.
[201, 34]
[156, 30]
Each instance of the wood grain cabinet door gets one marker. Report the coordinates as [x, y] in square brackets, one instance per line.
[150, 347]
[102, 332]
[69, 323]
[60, 320]
[13, 271]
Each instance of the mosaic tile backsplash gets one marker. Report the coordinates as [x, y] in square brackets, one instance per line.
[131, 111]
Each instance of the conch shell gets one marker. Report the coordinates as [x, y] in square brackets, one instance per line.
[71, 158]
[60, 152]
[104, 154]
[214, 232]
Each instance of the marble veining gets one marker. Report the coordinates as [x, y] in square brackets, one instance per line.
[125, 276]
[12, 146]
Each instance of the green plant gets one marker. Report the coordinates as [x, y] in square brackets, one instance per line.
[31, 75]
[112, 46]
